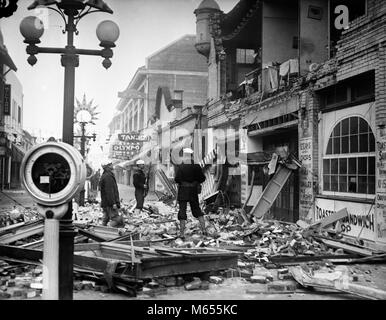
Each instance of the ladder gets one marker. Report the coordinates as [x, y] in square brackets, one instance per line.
[166, 182]
[271, 191]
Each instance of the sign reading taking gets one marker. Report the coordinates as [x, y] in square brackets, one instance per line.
[132, 137]
[7, 100]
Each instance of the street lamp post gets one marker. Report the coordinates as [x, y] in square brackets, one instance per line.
[107, 32]
[83, 117]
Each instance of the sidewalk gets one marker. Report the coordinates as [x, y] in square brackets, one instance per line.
[8, 197]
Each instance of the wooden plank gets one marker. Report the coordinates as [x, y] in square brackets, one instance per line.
[347, 247]
[337, 282]
[9, 229]
[299, 259]
[91, 235]
[33, 245]
[22, 233]
[334, 218]
[172, 266]
[20, 253]
[86, 246]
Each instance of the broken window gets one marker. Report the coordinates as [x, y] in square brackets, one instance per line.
[349, 162]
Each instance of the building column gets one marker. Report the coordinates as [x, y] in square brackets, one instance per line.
[308, 154]
[9, 171]
[380, 120]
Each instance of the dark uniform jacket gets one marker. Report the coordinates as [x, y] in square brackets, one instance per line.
[188, 177]
[109, 189]
[139, 179]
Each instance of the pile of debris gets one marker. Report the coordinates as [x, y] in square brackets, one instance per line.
[20, 281]
[146, 256]
[16, 215]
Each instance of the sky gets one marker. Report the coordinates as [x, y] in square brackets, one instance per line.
[145, 27]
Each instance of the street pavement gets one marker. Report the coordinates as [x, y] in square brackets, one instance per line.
[11, 198]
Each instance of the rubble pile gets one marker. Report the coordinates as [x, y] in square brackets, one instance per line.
[258, 249]
[90, 213]
[16, 215]
[20, 281]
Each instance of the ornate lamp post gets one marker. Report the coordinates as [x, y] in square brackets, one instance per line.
[83, 117]
[72, 11]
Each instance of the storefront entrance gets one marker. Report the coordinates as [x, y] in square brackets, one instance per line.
[286, 206]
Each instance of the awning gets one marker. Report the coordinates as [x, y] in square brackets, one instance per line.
[6, 59]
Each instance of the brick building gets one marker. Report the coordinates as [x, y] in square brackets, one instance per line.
[305, 76]
[173, 78]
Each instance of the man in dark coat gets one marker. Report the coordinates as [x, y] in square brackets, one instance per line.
[189, 177]
[110, 202]
[140, 184]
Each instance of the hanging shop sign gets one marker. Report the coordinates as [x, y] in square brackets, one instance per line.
[125, 150]
[132, 137]
[306, 193]
[360, 221]
[7, 100]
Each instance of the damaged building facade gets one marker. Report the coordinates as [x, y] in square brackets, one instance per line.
[165, 95]
[307, 77]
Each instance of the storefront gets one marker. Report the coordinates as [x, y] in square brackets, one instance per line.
[347, 169]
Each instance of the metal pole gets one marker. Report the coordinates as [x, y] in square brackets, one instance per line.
[83, 139]
[66, 230]
[82, 152]
[51, 259]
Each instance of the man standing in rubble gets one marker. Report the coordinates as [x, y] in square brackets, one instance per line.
[189, 177]
[110, 202]
[140, 184]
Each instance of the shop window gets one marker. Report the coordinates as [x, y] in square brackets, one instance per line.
[349, 161]
[245, 56]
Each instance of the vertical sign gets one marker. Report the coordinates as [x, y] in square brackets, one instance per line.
[381, 186]
[305, 177]
[7, 100]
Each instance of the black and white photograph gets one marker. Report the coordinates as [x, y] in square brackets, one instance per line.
[193, 155]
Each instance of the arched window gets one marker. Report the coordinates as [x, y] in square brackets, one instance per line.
[349, 161]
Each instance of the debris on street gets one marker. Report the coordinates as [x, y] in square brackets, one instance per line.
[147, 257]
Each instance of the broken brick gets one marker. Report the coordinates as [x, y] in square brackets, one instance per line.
[258, 279]
[216, 280]
[284, 276]
[17, 293]
[78, 286]
[282, 286]
[180, 281]
[194, 285]
[282, 271]
[11, 283]
[4, 295]
[204, 285]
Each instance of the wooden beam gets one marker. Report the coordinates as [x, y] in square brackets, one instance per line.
[347, 247]
[23, 232]
[91, 235]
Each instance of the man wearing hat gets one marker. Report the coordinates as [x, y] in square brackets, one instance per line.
[189, 177]
[139, 182]
[110, 202]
